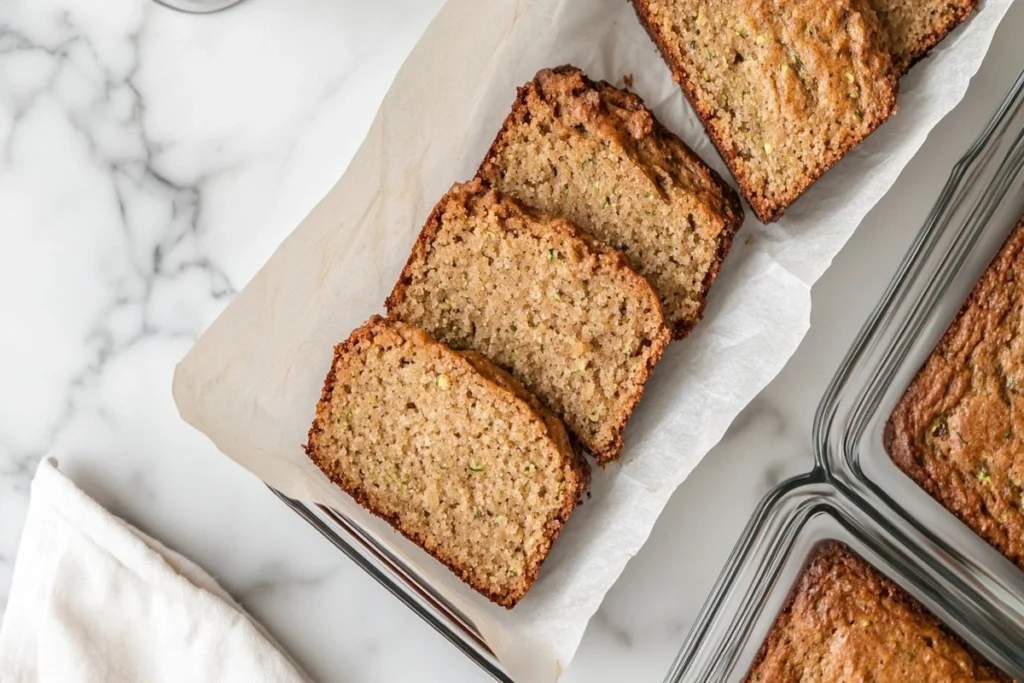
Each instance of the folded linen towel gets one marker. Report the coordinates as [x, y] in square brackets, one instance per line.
[94, 600]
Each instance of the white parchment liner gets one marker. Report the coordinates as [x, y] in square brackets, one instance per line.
[251, 382]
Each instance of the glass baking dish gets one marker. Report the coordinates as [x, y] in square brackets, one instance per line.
[855, 494]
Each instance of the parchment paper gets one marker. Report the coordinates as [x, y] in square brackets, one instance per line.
[253, 379]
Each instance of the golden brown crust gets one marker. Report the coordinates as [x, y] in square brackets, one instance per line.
[845, 621]
[577, 471]
[458, 201]
[939, 16]
[418, 253]
[957, 429]
[623, 115]
[770, 208]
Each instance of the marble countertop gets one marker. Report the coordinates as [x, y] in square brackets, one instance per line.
[151, 161]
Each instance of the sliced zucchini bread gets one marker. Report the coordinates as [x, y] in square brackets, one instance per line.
[451, 451]
[562, 311]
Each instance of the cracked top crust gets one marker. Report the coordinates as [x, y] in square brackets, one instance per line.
[958, 431]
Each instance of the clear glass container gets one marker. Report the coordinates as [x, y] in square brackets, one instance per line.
[199, 6]
[855, 493]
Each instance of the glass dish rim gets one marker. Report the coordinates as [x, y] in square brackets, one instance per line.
[783, 518]
[401, 580]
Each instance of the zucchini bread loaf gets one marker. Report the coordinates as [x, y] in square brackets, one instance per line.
[785, 87]
[451, 451]
[958, 430]
[846, 622]
[916, 26]
[564, 312]
[597, 156]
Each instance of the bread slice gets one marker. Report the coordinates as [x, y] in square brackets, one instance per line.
[785, 88]
[916, 26]
[564, 312]
[597, 156]
[451, 451]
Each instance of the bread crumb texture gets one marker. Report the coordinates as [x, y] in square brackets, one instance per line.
[916, 26]
[958, 430]
[846, 622]
[785, 87]
[564, 312]
[451, 451]
[596, 155]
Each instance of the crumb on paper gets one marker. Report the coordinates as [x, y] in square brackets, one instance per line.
[628, 80]
[749, 240]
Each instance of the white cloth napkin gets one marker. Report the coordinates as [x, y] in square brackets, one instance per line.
[95, 600]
